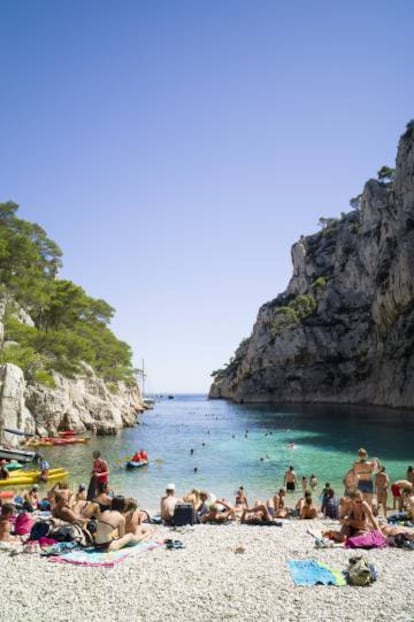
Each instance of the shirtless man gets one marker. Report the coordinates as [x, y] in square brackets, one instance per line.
[62, 510]
[63, 489]
[404, 488]
[290, 479]
[308, 510]
[168, 503]
[364, 469]
[382, 484]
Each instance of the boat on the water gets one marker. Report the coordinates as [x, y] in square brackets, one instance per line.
[16, 454]
[135, 465]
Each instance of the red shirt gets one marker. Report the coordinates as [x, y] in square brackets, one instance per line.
[101, 469]
[144, 455]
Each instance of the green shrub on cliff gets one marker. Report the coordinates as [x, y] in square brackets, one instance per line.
[69, 326]
[292, 314]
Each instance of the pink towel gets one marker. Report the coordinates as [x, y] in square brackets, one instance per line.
[369, 540]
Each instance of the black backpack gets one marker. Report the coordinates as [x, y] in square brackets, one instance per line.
[184, 514]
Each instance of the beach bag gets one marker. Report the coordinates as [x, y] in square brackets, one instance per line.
[92, 525]
[184, 514]
[359, 571]
[72, 533]
[40, 530]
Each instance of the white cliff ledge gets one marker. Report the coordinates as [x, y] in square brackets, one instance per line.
[80, 404]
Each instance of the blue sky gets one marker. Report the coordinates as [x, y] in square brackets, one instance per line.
[176, 150]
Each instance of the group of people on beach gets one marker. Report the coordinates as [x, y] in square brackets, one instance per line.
[111, 521]
[115, 521]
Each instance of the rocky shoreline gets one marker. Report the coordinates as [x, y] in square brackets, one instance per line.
[210, 580]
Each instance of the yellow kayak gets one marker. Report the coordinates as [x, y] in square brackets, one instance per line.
[34, 473]
[34, 479]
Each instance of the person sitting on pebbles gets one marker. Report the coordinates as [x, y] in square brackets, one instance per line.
[110, 532]
[257, 515]
[134, 520]
[7, 512]
[219, 512]
[168, 503]
[276, 505]
[358, 520]
[308, 510]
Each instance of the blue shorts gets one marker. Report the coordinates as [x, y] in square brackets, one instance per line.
[366, 486]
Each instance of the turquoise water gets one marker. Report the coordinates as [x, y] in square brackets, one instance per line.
[229, 441]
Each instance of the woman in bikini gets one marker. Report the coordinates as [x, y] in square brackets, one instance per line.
[134, 519]
[359, 518]
[364, 469]
[110, 532]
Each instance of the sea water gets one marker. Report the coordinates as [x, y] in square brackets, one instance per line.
[249, 445]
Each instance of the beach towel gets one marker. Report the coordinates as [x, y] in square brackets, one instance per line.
[370, 540]
[312, 572]
[93, 558]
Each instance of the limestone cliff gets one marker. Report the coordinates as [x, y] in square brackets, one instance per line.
[80, 404]
[343, 331]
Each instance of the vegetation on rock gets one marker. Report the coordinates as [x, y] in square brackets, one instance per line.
[68, 327]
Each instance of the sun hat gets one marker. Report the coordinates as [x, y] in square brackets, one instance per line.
[170, 487]
[35, 487]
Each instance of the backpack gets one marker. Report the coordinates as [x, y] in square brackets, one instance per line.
[40, 530]
[72, 533]
[184, 514]
[359, 571]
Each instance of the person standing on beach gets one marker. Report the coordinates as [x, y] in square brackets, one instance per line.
[313, 481]
[410, 474]
[290, 479]
[382, 484]
[99, 475]
[364, 469]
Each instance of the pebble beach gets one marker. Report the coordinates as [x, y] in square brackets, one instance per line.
[227, 572]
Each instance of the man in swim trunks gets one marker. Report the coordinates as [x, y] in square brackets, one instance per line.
[364, 469]
[399, 490]
[290, 479]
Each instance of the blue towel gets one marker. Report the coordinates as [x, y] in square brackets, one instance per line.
[311, 572]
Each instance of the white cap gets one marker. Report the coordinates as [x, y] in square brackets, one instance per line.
[170, 487]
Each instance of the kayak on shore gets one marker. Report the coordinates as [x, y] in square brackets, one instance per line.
[24, 481]
[35, 473]
[48, 441]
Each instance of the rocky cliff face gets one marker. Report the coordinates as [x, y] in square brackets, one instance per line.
[343, 331]
[80, 404]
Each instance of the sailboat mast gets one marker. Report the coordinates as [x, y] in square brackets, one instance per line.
[143, 379]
